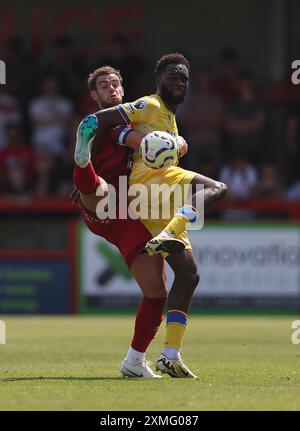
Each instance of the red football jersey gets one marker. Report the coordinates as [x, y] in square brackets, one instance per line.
[112, 159]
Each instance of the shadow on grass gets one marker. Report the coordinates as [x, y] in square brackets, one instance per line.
[19, 379]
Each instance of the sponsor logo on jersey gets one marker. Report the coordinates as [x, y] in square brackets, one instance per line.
[140, 104]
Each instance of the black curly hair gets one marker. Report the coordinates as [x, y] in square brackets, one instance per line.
[173, 58]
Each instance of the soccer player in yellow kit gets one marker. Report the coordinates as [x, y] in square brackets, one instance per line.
[157, 112]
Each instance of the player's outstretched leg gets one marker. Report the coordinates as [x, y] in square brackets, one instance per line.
[164, 242]
[167, 240]
[84, 138]
[84, 176]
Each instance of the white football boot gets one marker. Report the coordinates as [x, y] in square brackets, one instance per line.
[174, 367]
[84, 138]
[140, 370]
[162, 243]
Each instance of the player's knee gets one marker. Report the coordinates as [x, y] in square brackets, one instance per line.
[220, 189]
[156, 287]
[189, 280]
[193, 280]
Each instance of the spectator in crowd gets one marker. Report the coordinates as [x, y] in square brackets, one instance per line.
[293, 143]
[119, 54]
[68, 72]
[16, 153]
[241, 179]
[283, 92]
[226, 85]
[50, 114]
[9, 113]
[17, 184]
[292, 170]
[51, 178]
[22, 71]
[245, 121]
[201, 118]
[269, 183]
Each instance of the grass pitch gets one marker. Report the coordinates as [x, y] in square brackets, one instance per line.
[72, 363]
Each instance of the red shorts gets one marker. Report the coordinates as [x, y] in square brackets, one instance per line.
[130, 236]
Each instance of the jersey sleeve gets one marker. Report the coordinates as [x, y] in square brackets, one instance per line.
[120, 133]
[139, 111]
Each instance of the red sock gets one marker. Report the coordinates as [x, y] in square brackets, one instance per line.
[147, 322]
[86, 179]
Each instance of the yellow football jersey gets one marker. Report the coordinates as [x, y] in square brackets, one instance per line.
[147, 114]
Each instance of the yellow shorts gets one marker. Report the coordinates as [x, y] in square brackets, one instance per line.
[155, 220]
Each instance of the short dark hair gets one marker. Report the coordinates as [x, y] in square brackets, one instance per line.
[174, 58]
[101, 71]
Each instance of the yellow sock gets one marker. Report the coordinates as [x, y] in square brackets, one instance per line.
[176, 324]
[185, 215]
[177, 225]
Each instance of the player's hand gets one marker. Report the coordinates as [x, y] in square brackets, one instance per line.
[182, 146]
[74, 195]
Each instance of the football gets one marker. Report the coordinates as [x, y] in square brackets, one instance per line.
[159, 150]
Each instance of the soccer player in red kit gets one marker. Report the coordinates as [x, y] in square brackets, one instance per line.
[129, 235]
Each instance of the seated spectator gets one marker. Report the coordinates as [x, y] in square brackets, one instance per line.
[226, 85]
[50, 114]
[283, 92]
[16, 185]
[120, 53]
[269, 183]
[51, 178]
[201, 118]
[245, 121]
[9, 113]
[16, 152]
[65, 68]
[22, 70]
[241, 178]
[293, 143]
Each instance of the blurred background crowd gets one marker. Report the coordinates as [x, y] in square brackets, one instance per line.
[227, 119]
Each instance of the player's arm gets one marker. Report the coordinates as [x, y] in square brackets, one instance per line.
[127, 114]
[131, 114]
[109, 117]
[127, 137]
[139, 112]
[112, 117]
